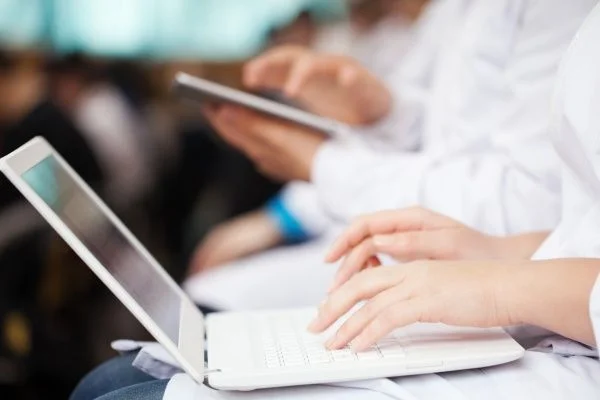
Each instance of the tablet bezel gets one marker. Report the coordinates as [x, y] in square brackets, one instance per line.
[201, 90]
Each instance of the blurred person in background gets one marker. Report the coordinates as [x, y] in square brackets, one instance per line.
[384, 32]
[73, 102]
[5, 68]
[51, 114]
[40, 292]
[118, 136]
[254, 232]
[472, 95]
[301, 31]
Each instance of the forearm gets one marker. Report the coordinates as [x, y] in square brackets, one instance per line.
[489, 191]
[519, 247]
[554, 295]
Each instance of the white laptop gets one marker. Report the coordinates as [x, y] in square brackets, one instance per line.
[244, 351]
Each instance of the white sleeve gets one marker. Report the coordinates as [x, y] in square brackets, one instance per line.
[504, 182]
[409, 84]
[400, 130]
[488, 190]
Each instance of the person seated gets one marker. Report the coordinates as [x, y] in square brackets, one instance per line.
[477, 110]
[380, 42]
[468, 278]
[51, 116]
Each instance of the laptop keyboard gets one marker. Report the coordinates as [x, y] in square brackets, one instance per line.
[286, 343]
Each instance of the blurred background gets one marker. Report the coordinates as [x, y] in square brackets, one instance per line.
[93, 77]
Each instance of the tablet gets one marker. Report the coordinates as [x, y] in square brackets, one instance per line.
[193, 88]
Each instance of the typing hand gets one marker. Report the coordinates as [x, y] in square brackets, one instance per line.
[409, 235]
[455, 293]
[329, 85]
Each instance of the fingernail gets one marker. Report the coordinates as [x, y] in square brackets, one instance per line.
[314, 325]
[333, 246]
[332, 343]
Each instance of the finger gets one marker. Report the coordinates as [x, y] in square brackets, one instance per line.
[363, 317]
[394, 317]
[348, 76]
[406, 246]
[372, 262]
[307, 68]
[210, 111]
[357, 259]
[260, 72]
[364, 227]
[419, 245]
[361, 287]
[403, 247]
[301, 71]
[236, 126]
[381, 223]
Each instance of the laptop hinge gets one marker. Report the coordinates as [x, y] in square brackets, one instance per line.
[208, 372]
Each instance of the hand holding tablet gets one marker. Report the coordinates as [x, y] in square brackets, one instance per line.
[201, 90]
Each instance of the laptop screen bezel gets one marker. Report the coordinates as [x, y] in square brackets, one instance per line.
[189, 355]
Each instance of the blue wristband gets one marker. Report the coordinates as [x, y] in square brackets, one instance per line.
[291, 229]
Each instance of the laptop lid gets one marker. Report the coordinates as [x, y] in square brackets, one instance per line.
[101, 240]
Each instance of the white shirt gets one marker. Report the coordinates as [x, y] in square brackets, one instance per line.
[577, 140]
[486, 154]
[380, 48]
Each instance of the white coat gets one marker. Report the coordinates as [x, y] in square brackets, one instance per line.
[544, 373]
[402, 56]
[486, 157]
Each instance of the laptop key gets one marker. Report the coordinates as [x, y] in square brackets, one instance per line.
[344, 357]
[368, 355]
[320, 359]
[294, 362]
[392, 351]
[272, 362]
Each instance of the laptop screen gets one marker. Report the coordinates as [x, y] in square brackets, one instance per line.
[82, 215]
